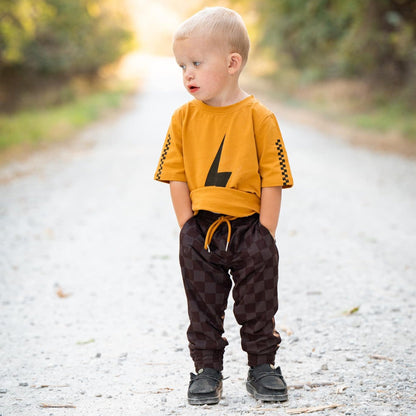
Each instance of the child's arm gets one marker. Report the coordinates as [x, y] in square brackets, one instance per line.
[179, 193]
[271, 198]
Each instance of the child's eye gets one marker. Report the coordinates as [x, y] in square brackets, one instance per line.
[182, 66]
[196, 63]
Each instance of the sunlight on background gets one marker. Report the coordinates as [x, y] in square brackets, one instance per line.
[56, 53]
[155, 23]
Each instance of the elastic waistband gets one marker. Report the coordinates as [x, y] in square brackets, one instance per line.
[213, 216]
[218, 219]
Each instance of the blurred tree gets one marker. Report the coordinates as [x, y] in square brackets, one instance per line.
[306, 31]
[63, 36]
[381, 41]
[371, 38]
[18, 27]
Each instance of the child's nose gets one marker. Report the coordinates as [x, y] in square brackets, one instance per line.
[189, 74]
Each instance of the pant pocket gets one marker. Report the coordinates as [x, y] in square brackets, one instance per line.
[187, 223]
[265, 231]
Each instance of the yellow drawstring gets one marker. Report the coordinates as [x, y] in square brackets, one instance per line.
[213, 227]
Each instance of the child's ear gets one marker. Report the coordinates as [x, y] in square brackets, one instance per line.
[234, 63]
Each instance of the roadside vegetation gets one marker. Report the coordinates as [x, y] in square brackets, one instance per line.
[352, 59]
[53, 54]
[31, 127]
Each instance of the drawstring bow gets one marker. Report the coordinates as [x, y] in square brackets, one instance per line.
[213, 227]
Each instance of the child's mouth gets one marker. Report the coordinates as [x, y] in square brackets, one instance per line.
[192, 88]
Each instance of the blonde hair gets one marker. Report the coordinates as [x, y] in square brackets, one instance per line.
[221, 23]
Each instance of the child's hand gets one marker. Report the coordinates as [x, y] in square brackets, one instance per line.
[272, 232]
[181, 201]
[270, 208]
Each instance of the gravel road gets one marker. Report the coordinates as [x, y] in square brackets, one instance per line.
[92, 310]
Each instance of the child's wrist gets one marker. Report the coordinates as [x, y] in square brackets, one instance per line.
[184, 220]
[272, 230]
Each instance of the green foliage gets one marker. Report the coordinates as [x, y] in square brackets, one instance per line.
[306, 31]
[63, 36]
[387, 117]
[374, 39]
[381, 40]
[31, 127]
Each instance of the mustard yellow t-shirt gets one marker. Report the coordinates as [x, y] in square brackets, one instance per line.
[225, 154]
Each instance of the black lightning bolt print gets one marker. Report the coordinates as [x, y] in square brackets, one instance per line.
[214, 177]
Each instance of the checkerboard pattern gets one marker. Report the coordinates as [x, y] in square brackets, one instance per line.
[163, 157]
[283, 162]
[252, 262]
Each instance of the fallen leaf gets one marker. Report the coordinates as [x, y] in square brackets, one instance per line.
[380, 357]
[341, 389]
[311, 385]
[62, 294]
[57, 406]
[163, 390]
[285, 329]
[90, 341]
[351, 311]
[311, 409]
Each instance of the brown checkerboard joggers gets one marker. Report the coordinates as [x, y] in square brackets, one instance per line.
[252, 260]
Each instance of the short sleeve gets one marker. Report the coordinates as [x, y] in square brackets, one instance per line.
[171, 166]
[274, 165]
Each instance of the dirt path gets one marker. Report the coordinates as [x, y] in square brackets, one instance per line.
[92, 311]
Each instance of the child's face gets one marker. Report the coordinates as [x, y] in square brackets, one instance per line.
[205, 69]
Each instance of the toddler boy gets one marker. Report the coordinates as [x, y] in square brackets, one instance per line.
[226, 164]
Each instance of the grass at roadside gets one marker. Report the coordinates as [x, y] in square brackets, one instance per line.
[390, 118]
[29, 128]
[350, 102]
[387, 117]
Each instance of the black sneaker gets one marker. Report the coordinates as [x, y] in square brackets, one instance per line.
[205, 387]
[266, 383]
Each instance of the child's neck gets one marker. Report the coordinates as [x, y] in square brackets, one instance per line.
[230, 98]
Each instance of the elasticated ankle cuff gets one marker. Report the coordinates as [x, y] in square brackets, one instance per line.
[254, 360]
[208, 359]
